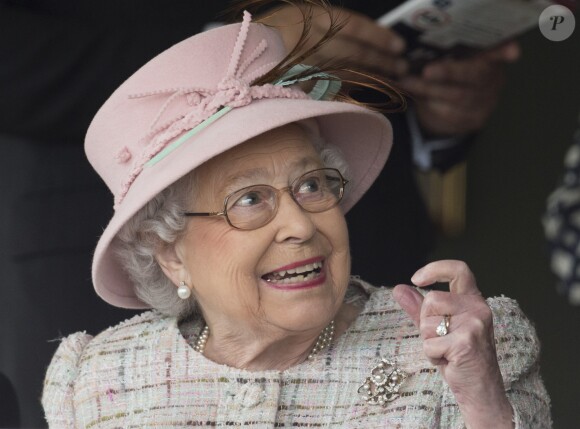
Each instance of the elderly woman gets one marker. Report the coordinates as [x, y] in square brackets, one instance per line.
[230, 187]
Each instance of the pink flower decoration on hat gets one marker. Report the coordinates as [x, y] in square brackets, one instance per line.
[234, 91]
[123, 156]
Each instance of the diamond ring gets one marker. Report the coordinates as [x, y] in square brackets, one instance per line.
[443, 327]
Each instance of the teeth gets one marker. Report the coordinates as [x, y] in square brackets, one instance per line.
[305, 268]
[297, 279]
[296, 275]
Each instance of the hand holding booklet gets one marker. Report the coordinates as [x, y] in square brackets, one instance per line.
[458, 28]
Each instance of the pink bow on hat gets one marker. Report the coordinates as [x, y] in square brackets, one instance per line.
[234, 90]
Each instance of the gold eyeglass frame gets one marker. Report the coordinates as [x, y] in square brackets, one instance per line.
[224, 211]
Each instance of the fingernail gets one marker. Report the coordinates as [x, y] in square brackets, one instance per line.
[418, 276]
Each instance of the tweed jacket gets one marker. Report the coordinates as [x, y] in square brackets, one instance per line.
[143, 373]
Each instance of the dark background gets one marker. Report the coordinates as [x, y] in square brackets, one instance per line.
[514, 165]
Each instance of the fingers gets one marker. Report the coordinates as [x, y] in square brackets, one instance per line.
[410, 301]
[452, 109]
[455, 97]
[480, 70]
[369, 33]
[429, 326]
[466, 354]
[460, 278]
[464, 332]
[451, 93]
[439, 303]
[509, 53]
[470, 334]
[363, 56]
[476, 71]
[363, 43]
[443, 118]
[435, 349]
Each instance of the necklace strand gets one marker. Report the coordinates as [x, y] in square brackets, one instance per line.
[324, 339]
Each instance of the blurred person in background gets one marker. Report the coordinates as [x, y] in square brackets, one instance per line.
[562, 225]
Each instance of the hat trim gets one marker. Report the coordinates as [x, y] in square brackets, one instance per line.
[325, 88]
[234, 90]
[175, 144]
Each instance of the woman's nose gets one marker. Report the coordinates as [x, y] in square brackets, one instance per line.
[293, 223]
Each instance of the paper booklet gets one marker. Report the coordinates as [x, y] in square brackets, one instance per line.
[459, 28]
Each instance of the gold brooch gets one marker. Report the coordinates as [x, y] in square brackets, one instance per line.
[384, 383]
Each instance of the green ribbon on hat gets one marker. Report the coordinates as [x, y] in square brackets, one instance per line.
[326, 88]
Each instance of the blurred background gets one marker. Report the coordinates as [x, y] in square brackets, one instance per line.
[500, 192]
[515, 164]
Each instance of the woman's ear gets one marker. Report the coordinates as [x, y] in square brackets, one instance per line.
[171, 263]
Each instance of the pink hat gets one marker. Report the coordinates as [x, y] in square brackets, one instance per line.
[193, 102]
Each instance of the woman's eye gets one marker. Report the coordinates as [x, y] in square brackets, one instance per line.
[309, 186]
[249, 199]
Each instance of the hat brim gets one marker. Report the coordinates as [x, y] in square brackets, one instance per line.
[363, 136]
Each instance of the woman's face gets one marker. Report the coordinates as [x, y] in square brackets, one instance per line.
[235, 274]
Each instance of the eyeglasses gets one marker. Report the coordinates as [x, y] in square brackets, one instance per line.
[255, 206]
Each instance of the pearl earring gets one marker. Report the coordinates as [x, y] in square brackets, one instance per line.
[183, 291]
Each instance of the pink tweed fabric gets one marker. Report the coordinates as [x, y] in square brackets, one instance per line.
[144, 373]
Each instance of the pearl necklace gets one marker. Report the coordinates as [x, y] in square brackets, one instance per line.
[324, 339]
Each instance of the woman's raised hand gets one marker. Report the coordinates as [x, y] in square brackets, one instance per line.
[466, 355]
